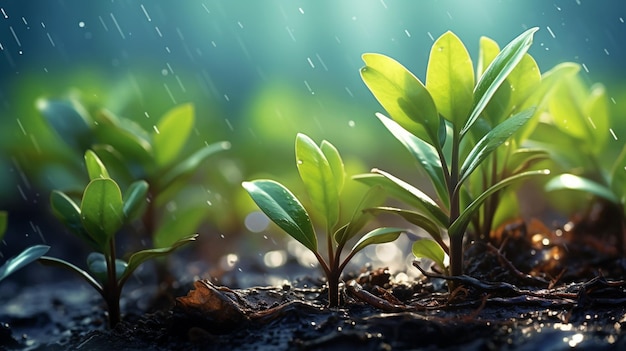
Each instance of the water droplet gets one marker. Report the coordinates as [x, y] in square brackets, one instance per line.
[406, 31]
[81, 24]
[164, 72]
[351, 123]
[156, 130]
[301, 10]
[299, 162]
[209, 202]
[551, 32]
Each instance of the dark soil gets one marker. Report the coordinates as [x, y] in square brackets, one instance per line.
[529, 288]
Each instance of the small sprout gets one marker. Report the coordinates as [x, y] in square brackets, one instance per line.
[101, 214]
[322, 172]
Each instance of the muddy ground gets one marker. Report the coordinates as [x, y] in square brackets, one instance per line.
[528, 288]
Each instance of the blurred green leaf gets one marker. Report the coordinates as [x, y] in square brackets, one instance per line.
[4, 220]
[68, 212]
[179, 225]
[318, 178]
[422, 221]
[496, 73]
[189, 165]
[97, 264]
[336, 164]
[129, 141]
[135, 199]
[69, 120]
[22, 259]
[377, 236]
[574, 182]
[374, 197]
[284, 209]
[402, 95]
[171, 133]
[102, 211]
[450, 78]
[425, 248]
[618, 177]
[95, 167]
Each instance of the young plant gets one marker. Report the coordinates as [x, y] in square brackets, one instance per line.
[322, 172]
[102, 212]
[23, 258]
[578, 133]
[435, 124]
[132, 152]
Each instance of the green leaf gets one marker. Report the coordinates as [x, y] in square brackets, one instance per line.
[69, 120]
[97, 264]
[423, 152]
[492, 140]
[567, 112]
[119, 168]
[129, 141]
[176, 226]
[4, 220]
[496, 73]
[375, 196]
[68, 212]
[618, 177]
[318, 178]
[135, 199]
[189, 165]
[522, 159]
[574, 182]
[418, 219]
[405, 192]
[450, 78]
[335, 162]
[524, 80]
[102, 211]
[377, 236]
[22, 259]
[95, 167]
[402, 95]
[140, 257]
[425, 248]
[597, 115]
[459, 226]
[488, 50]
[171, 133]
[284, 209]
[52, 261]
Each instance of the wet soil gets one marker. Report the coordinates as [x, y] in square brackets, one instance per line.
[528, 288]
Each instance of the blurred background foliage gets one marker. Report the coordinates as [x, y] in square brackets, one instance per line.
[257, 74]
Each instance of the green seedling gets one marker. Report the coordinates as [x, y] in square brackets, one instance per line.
[101, 213]
[322, 172]
[578, 133]
[131, 152]
[435, 123]
[23, 258]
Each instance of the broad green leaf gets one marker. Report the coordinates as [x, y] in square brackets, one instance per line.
[425, 248]
[95, 167]
[119, 168]
[4, 220]
[178, 225]
[492, 140]
[423, 152]
[496, 73]
[566, 109]
[68, 212]
[522, 159]
[171, 133]
[284, 209]
[405, 192]
[69, 120]
[52, 261]
[140, 257]
[374, 197]
[132, 144]
[135, 199]
[450, 78]
[102, 211]
[459, 226]
[574, 182]
[22, 259]
[524, 80]
[417, 218]
[318, 178]
[97, 264]
[488, 50]
[564, 149]
[377, 236]
[189, 165]
[403, 96]
[335, 162]
[597, 114]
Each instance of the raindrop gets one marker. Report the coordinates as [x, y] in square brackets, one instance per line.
[230, 126]
[585, 68]
[276, 258]
[383, 2]
[354, 18]
[156, 130]
[351, 123]
[15, 36]
[4, 13]
[81, 24]
[321, 62]
[158, 31]
[256, 222]
[551, 32]
[613, 133]
[240, 24]
[146, 114]
[621, 19]
[164, 72]
[301, 10]
[309, 87]
[290, 33]
[606, 51]
[119, 29]
[299, 162]
[209, 202]
[226, 97]
[430, 36]
[558, 8]
[310, 62]
[406, 31]
[349, 91]
[146, 13]
[21, 126]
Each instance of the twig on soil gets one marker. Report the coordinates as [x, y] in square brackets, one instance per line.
[529, 279]
[357, 291]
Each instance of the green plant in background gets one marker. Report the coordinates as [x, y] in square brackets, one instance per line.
[322, 172]
[435, 122]
[23, 258]
[102, 212]
[577, 131]
[132, 152]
